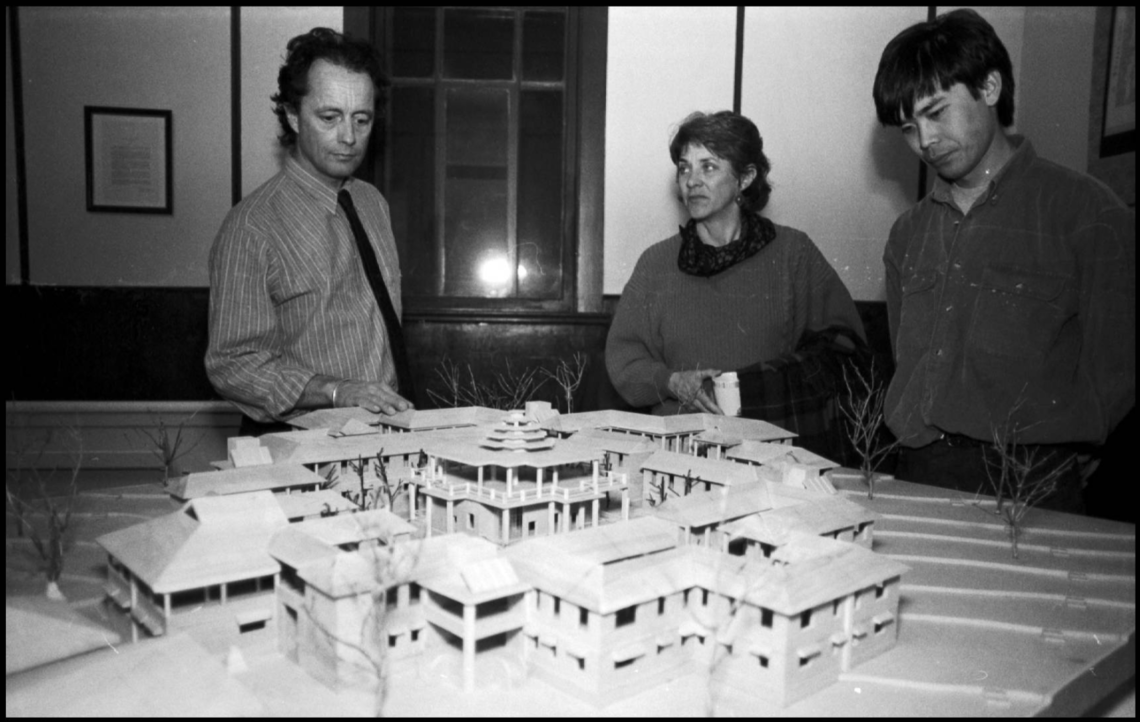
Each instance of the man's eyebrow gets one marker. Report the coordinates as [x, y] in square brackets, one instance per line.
[923, 107]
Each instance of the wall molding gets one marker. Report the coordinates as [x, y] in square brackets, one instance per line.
[114, 434]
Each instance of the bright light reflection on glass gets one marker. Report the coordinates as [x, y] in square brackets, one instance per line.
[495, 271]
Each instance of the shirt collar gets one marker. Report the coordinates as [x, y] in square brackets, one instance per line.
[313, 186]
[1023, 156]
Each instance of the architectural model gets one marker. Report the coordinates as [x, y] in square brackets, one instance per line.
[601, 552]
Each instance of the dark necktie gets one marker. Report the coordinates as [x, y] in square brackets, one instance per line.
[380, 290]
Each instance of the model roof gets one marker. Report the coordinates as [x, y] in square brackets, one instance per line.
[460, 567]
[210, 540]
[242, 480]
[746, 429]
[723, 504]
[316, 447]
[814, 517]
[474, 454]
[773, 454]
[614, 441]
[716, 471]
[410, 420]
[361, 526]
[743, 429]
[831, 569]
[840, 569]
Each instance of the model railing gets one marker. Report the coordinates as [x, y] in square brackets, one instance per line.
[562, 491]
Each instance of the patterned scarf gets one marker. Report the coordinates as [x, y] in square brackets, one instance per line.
[700, 259]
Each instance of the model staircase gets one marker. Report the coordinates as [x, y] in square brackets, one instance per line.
[154, 623]
[118, 595]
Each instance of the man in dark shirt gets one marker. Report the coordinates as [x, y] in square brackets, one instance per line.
[1010, 286]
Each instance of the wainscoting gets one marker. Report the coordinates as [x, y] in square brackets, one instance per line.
[113, 363]
[147, 344]
[113, 436]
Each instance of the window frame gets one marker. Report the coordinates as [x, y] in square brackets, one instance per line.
[583, 158]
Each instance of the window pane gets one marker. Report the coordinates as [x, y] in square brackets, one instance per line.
[543, 45]
[540, 194]
[476, 245]
[478, 44]
[411, 188]
[413, 42]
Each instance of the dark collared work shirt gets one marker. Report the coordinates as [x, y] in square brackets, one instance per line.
[1026, 302]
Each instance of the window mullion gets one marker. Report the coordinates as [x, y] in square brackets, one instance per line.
[513, 100]
[440, 159]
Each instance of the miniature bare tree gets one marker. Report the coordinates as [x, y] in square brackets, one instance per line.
[390, 570]
[568, 376]
[456, 389]
[663, 490]
[382, 495]
[29, 498]
[507, 390]
[385, 488]
[1020, 476]
[862, 407]
[516, 388]
[169, 447]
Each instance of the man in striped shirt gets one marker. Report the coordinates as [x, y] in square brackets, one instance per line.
[294, 323]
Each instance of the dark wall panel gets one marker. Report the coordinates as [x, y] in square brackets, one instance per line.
[147, 344]
[90, 344]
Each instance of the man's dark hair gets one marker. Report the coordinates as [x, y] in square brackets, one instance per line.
[359, 56]
[736, 139]
[956, 47]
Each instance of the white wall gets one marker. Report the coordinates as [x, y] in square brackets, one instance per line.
[807, 80]
[1056, 82]
[663, 63]
[807, 77]
[836, 173]
[165, 58]
[264, 35]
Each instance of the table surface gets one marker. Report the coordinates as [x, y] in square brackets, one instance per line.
[980, 632]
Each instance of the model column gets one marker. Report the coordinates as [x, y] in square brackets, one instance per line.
[468, 647]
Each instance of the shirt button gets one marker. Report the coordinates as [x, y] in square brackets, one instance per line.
[938, 353]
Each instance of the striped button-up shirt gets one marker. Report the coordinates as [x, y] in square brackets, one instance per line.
[289, 297]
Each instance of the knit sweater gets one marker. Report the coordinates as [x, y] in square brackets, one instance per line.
[754, 311]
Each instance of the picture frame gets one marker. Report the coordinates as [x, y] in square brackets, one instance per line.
[1118, 129]
[129, 160]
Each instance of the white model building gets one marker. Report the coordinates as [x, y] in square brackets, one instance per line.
[512, 569]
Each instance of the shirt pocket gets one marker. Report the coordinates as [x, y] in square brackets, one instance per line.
[1019, 313]
[917, 309]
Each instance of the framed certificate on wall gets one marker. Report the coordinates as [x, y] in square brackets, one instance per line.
[128, 160]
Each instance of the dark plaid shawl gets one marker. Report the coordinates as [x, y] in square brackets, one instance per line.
[800, 391]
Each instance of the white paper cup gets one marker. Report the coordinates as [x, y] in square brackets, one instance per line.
[727, 390]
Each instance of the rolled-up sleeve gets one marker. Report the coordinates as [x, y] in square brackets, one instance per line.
[244, 360]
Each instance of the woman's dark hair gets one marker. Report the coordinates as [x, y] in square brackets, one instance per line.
[732, 137]
[957, 47]
[358, 56]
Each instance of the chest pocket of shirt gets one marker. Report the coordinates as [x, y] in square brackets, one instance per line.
[1019, 313]
[916, 315]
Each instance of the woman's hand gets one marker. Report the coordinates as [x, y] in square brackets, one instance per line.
[694, 390]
